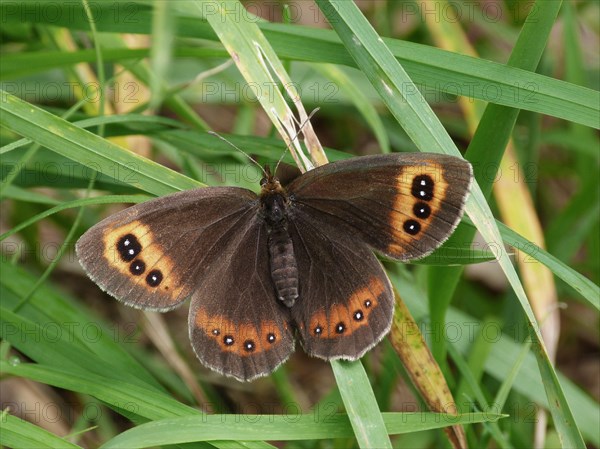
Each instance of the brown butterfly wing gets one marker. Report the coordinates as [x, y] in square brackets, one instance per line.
[402, 205]
[152, 255]
[237, 327]
[345, 303]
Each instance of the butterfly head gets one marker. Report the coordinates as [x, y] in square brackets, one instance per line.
[273, 198]
[270, 185]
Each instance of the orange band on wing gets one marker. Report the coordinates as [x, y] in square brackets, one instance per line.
[244, 339]
[345, 318]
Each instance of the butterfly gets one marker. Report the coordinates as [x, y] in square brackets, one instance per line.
[291, 263]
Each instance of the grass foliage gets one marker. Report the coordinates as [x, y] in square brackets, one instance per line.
[108, 103]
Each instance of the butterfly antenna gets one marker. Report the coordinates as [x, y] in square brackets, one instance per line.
[240, 150]
[313, 112]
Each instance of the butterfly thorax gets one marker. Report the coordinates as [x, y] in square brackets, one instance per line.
[284, 269]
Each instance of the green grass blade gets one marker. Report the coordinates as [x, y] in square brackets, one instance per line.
[493, 428]
[449, 255]
[56, 348]
[275, 427]
[86, 148]
[361, 406]
[585, 287]
[387, 77]
[134, 122]
[146, 403]
[27, 196]
[163, 34]
[20, 434]
[108, 199]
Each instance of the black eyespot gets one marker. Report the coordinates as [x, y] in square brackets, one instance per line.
[249, 346]
[422, 187]
[271, 338]
[358, 315]
[154, 278]
[367, 303]
[137, 267]
[216, 332]
[128, 247]
[412, 227]
[228, 340]
[340, 328]
[421, 210]
[318, 330]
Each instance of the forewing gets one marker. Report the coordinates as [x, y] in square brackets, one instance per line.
[237, 327]
[404, 205]
[152, 255]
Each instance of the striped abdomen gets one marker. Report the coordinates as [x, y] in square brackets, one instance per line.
[284, 270]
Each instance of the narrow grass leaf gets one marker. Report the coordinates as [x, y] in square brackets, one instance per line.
[151, 122]
[143, 402]
[452, 255]
[361, 406]
[475, 387]
[585, 287]
[163, 31]
[108, 199]
[26, 196]
[86, 148]
[275, 427]
[414, 115]
[20, 434]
